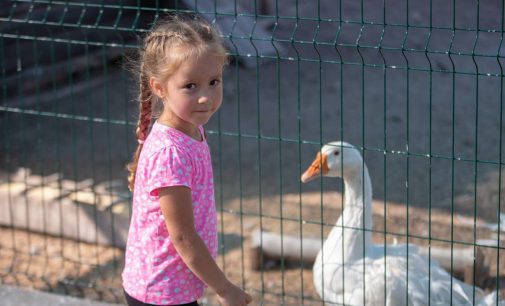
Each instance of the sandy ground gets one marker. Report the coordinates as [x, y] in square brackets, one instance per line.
[430, 126]
[92, 271]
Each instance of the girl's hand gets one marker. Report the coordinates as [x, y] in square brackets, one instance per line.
[234, 296]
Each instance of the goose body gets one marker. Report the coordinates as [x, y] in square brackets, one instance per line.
[351, 270]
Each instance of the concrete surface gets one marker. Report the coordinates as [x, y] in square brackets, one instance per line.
[14, 296]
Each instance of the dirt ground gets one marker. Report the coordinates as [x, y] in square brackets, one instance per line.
[88, 270]
[424, 105]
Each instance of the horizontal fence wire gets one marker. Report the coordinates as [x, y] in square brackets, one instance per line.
[415, 87]
[362, 26]
[251, 136]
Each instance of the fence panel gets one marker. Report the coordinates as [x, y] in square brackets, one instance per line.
[415, 86]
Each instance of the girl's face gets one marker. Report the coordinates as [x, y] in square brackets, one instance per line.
[192, 94]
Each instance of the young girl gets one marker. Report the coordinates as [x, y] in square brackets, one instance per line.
[172, 241]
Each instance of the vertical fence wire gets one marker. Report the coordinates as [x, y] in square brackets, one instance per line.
[341, 98]
[500, 148]
[363, 145]
[407, 146]
[384, 140]
[476, 152]
[299, 149]
[280, 152]
[453, 153]
[430, 147]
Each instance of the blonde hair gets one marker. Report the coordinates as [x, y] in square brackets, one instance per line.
[172, 41]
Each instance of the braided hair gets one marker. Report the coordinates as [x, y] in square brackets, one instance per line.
[172, 41]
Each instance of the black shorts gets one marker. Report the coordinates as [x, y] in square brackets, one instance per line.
[134, 302]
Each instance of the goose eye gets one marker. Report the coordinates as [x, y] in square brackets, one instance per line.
[336, 153]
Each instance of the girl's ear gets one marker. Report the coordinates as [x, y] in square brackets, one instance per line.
[156, 87]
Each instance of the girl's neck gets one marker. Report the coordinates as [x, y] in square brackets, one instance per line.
[182, 126]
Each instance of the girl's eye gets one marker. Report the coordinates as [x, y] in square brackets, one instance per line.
[190, 86]
[214, 82]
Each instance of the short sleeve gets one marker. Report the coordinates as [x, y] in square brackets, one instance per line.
[170, 167]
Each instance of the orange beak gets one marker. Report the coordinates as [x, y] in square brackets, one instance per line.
[319, 167]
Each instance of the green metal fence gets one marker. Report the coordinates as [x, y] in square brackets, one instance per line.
[416, 86]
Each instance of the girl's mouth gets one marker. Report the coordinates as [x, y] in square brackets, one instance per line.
[204, 111]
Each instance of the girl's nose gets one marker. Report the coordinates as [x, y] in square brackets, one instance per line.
[203, 99]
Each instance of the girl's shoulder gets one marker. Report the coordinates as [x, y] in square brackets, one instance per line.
[165, 139]
[166, 150]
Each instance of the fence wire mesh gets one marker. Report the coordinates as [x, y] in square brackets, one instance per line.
[415, 86]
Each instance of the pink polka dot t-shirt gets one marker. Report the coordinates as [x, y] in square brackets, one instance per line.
[154, 272]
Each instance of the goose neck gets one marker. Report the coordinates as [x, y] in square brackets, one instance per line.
[358, 204]
[358, 190]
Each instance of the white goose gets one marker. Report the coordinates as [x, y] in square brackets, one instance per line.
[351, 270]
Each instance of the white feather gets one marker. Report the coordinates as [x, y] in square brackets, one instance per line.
[351, 270]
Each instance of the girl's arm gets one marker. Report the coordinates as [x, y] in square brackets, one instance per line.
[176, 206]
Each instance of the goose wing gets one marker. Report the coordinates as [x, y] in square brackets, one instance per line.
[385, 281]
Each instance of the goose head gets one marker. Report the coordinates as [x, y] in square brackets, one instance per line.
[336, 159]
